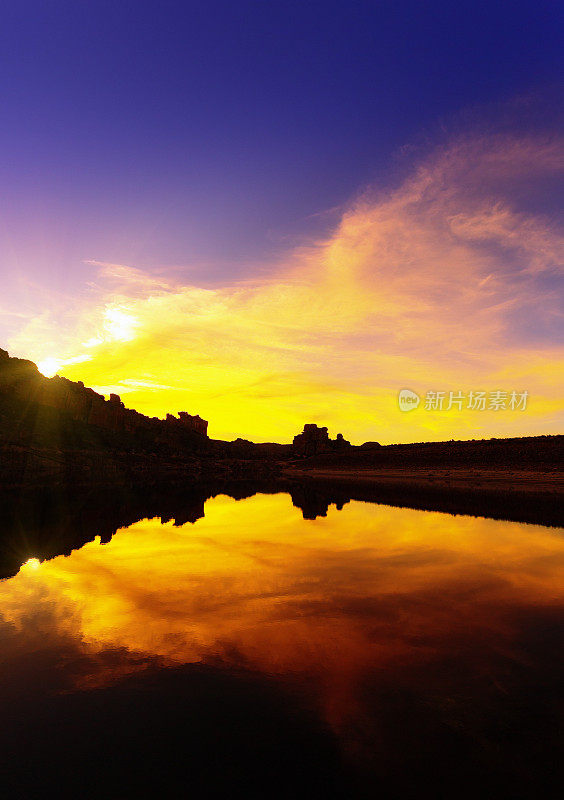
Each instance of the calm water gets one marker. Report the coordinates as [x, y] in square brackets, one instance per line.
[373, 652]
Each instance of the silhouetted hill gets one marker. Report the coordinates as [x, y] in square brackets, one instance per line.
[524, 452]
[56, 432]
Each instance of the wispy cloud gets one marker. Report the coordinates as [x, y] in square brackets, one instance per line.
[122, 278]
[445, 282]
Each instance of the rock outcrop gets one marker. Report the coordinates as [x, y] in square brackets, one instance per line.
[314, 440]
[84, 420]
[22, 381]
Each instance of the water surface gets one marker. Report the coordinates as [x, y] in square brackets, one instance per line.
[375, 650]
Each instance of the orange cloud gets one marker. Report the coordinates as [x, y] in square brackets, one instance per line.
[367, 588]
[440, 284]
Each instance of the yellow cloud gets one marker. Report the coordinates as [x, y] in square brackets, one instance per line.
[431, 286]
[236, 584]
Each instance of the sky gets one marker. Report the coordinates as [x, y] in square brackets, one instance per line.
[272, 213]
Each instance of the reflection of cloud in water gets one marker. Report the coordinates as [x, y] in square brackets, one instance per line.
[367, 598]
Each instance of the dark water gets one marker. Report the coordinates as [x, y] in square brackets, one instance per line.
[377, 651]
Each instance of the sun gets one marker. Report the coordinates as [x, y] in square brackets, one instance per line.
[49, 366]
[31, 564]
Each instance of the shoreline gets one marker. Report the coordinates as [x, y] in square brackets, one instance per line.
[500, 479]
[527, 496]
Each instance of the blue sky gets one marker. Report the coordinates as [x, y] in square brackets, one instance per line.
[207, 134]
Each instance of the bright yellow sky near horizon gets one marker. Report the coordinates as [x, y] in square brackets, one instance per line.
[441, 284]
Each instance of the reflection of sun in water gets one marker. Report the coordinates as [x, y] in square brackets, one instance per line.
[31, 564]
[49, 366]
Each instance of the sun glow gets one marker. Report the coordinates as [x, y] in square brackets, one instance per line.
[119, 325]
[31, 564]
[49, 366]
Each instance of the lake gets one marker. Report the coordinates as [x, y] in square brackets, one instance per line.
[372, 651]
